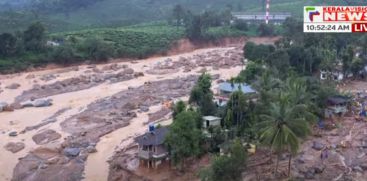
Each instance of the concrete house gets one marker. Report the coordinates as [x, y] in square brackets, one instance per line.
[209, 121]
[152, 150]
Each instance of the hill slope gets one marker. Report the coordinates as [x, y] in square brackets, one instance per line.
[113, 13]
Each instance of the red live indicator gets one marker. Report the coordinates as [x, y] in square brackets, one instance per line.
[359, 27]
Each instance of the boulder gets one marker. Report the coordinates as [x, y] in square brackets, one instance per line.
[71, 152]
[91, 149]
[128, 71]
[26, 104]
[138, 74]
[317, 145]
[3, 105]
[14, 147]
[13, 86]
[40, 103]
[13, 134]
[8, 108]
[144, 108]
[30, 76]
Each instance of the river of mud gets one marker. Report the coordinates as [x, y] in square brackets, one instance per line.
[96, 110]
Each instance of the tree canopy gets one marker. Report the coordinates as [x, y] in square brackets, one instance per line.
[184, 137]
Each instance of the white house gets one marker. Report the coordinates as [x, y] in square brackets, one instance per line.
[211, 121]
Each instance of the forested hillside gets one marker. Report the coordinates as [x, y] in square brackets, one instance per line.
[65, 15]
[101, 29]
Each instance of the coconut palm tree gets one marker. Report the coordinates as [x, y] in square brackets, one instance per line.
[283, 126]
[266, 86]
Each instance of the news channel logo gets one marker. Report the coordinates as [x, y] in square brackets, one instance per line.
[313, 14]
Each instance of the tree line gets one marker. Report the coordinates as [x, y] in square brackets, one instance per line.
[33, 46]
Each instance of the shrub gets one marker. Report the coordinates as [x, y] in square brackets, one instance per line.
[240, 25]
[98, 50]
[64, 54]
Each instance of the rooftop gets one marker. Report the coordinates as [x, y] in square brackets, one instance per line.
[155, 137]
[211, 118]
[228, 87]
[261, 15]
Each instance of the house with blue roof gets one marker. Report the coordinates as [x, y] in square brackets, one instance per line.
[225, 90]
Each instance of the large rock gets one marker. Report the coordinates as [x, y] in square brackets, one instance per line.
[91, 149]
[45, 137]
[317, 145]
[13, 86]
[37, 103]
[144, 108]
[71, 152]
[13, 134]
[8, 108]
[14, 147]
[26, 104]
[30, 76]
[3, 105]
[138, 74]
[128, 71]
[42, 102]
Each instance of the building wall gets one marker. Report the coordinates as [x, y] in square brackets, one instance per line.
[211, 123]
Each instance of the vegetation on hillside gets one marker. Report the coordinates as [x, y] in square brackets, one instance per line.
[29, 48]
[66, 15]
